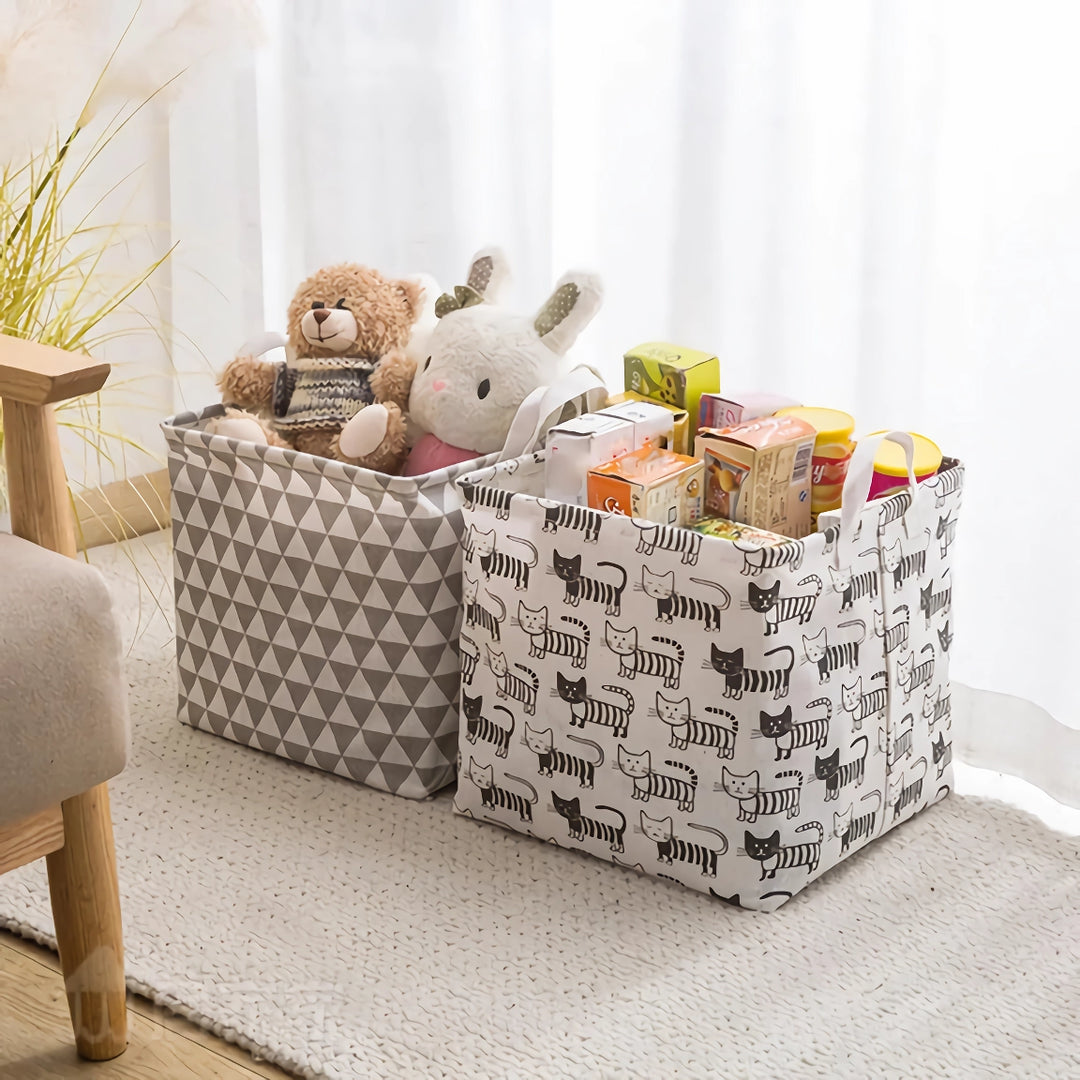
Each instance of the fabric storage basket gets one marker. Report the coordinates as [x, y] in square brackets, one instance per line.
[317, 607]
[733, 717]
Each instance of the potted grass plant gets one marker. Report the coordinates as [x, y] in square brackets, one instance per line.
[74, 76]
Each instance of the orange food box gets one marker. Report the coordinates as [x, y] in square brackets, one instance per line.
[758, 473]
[652, 484]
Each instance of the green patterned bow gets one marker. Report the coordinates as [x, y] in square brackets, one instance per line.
[463, 296]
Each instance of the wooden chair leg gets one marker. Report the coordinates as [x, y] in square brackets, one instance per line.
[86, 908]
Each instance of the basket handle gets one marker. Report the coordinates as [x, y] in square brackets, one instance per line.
[857, 484]
[542, 408]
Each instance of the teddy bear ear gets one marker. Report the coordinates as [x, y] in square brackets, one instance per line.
[489, 273]
[569, 309]
[413, 291]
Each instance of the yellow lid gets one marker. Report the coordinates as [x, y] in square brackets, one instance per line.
[889, 458]
[828, 423]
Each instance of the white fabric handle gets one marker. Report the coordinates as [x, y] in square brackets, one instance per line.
[264, 343]
[544, 405]
[857, 484]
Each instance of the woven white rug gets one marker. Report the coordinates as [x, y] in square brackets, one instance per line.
[344, 933]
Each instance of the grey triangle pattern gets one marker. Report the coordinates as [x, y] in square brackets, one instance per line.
[317, 608]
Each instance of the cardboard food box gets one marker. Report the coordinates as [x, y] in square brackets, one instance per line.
[735, 530]
[574, 447]
[758, 473]
[652, 484]
[654, 425]
[672, 375]
[680, 418]
[730, 408]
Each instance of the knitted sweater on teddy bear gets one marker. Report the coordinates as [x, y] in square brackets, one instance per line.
[320, 393]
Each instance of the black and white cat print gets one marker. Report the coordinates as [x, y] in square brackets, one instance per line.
[735, 718]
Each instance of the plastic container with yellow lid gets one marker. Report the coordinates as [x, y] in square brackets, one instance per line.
[832, 453]
[890, 465]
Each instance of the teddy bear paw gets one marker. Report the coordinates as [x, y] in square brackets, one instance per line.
[244, 428]
[364, 433]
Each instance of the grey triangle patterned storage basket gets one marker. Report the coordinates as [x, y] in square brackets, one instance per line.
[317, 607]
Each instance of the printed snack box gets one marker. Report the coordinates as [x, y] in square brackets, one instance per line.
[672, 375]
[680, 418]
[652, 484]
[759, 473]
[735, 530]
[736, 407]
[574, 447]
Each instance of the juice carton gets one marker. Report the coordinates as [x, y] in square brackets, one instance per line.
[758, 473]
[672, 375]
[576, 446]
[680, 418]
[736, 407]
[654, 425]
[652, 484]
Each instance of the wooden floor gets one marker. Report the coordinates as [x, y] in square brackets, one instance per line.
[36, 1041]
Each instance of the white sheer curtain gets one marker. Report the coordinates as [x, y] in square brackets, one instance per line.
[872, 206]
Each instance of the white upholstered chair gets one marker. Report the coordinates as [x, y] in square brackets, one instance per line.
[63, 718]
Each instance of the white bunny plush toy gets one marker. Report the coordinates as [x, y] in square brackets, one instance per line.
[483, 362]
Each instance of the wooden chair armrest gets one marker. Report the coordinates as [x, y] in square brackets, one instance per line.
[35, 374]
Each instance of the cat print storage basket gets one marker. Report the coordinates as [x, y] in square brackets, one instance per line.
[733, 717]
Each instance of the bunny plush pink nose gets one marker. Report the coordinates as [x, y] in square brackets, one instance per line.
[438, 385]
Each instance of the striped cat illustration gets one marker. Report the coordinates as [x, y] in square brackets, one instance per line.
[588, 710]
[686, 730]
[509, 685]
[852, 586]
[778, 609]
[902, 745]
[551, 760]
[756, 559]
[568, 571]
[942, 754]
[493, 797]
[681, 790]
[634, 660]
[831, 534]
[568, 516]
[581, 826]
[470, 660]
[893, 509]
[478, 726]
[849, 829]
[790, 735]
[475, 612]
[775, 856]
[754, 802]
[738, 678]
[895, 635]
[830, 658]
[945, 637]
[486, 495]
[903, 565]
[681, 541]
[836, 774]
[669, 847]
[671, 605]
[544, 640]
[930, 602]
[499, 563]
[947, 481]
[937, 708]
[911, 676]
[862, 705]
[946, 533]
[906, 789]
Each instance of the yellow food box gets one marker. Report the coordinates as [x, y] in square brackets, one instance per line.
[652, 484]
[672, 375]
[758, 473]
[680, 418]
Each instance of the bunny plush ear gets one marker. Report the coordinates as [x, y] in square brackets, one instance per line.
[569, 309]
[489, 273]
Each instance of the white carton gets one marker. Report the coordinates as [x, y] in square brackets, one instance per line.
[654, 425]
[577, 446]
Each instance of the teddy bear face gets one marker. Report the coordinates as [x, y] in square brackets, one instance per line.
[352, 310]
[483, 363]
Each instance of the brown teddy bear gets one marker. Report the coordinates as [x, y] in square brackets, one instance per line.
[349, 329]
